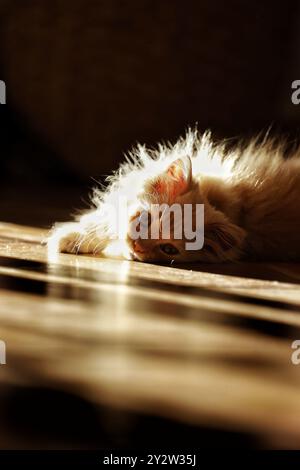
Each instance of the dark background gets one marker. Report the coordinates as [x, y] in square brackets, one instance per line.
[87, 79]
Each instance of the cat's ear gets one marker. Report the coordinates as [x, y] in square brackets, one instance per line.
[180, 172]
[224, 239]
[176, 179]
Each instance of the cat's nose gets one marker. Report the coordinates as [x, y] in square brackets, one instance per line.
[137, 247]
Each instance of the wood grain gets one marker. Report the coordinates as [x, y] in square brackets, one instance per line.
[193, 347]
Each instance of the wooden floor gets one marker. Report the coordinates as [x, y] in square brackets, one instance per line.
[106, 352]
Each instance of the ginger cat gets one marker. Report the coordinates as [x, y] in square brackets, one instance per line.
[251, 200]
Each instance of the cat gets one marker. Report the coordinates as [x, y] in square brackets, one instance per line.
[250, 195]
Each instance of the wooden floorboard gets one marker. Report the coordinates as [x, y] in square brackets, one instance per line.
[201, 351]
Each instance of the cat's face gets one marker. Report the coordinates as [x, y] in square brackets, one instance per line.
[149, 241]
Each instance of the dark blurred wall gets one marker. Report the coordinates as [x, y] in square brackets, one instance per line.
[89, 78]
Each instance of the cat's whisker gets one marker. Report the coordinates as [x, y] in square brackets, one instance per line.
[97, 246]
[79, 243]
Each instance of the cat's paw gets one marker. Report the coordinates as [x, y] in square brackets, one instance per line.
[72, 238]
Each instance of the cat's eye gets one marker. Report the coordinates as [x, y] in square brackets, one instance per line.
[168, 249]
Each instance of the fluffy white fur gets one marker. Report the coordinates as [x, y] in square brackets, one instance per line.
[251, 197]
